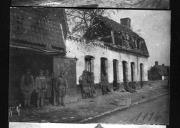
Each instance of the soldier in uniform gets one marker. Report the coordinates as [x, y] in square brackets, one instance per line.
[27, 84]
[54, 89]
[49, 86]
[92, 86]
[81, 85]
[104, 85]
[41, 87]
[62, 86]
[115, 85]
[86, 85]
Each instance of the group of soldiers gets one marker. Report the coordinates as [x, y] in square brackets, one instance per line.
[86, 82]
[104, 84]
[45, 86]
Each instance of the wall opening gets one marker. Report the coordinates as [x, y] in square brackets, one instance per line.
[125, 71]
[89, 63]
[104, 66]
[141, 71]
[115, 70]
[132, 71]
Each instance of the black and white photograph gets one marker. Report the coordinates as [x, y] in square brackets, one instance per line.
[89, 66]
[53, 125]
[153, 4]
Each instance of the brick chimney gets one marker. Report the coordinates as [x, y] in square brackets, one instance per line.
[126, 22]
[156, 63]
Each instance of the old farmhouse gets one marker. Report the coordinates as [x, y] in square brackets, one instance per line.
[39, 39]
[112, 49]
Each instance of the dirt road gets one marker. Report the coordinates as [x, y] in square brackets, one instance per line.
[152, 112]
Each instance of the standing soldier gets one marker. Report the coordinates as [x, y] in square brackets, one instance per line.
[41, 87]
[54, 89]
[49, 86]
[115, 85]
[27, 83]
[104, 84]
[81, 86]
[62, 86]
[92, 86]
[85, 84]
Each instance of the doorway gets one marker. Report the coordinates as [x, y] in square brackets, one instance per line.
[104, 66]
[132, 71]
[141, 72]
[115, 70]
[125, 71]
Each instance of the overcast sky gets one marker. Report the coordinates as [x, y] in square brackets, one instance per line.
[154, 27]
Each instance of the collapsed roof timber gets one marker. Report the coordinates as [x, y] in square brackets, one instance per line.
[124, 38]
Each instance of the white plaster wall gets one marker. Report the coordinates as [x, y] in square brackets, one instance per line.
[145, 63]
[76, 49]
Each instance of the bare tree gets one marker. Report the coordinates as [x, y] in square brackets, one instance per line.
[81, 19]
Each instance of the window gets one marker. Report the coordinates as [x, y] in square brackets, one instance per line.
[125, 71]
[132, 71]
[115, 70]
[89, 63]
[104, 67]
[137, 44]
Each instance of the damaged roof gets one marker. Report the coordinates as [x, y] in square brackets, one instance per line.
[39, 28]
[119, 28]
[116, 26]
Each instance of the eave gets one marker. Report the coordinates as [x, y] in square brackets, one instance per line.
[53, 50]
